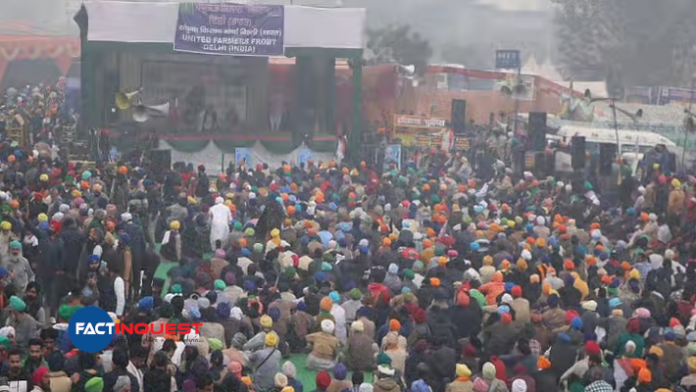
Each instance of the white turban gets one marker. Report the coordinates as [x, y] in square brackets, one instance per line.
[519, 385]
[7, 331]
[327, 326]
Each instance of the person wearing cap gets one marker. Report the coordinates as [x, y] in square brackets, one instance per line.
[18, 267]
[324, 347]
[41, 379]
[339, 382]
[360, 349]
[95, 384]
[24, 325]
[172, 242]
[352, 304]
[257, 342]
[579, 368]
[266, 363]
[386, 381]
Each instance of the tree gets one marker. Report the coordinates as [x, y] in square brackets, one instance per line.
[398, 44]
[626, 42]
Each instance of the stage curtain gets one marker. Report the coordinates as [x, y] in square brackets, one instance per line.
[228, 146]
[188, 145]
[280, 147]
[322, 145]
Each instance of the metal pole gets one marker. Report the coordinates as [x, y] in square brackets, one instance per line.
[517, 99]
[686, 128]
[618, 142]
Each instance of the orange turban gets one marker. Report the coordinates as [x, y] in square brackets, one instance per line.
[506, 318]
[326, 304]
[546, 288]
[463, 299]
[644, 376]
[394, 325]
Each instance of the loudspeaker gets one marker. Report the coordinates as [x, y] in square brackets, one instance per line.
[577, 151]
[537, 131]
[161, 163]
[458, 116]
[551, 164]
[607, 154]
[672, 162]
[540, 164]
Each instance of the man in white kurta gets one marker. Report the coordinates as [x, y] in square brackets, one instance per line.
[220, 218]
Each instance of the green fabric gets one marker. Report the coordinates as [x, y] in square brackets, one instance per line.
[188, 146]
[229, 146]
[322, 145]
[479, 297]
[620, 347]
[280, 147]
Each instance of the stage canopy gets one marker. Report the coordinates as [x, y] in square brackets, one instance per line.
[305, 27]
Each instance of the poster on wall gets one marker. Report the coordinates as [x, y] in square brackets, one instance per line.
[230, 29]
[679, 97]
[411, 129]
[392, 155]
[243, 156]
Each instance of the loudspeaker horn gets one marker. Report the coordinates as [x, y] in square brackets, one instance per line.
[408, 69]
[125, 100]
[142, 113]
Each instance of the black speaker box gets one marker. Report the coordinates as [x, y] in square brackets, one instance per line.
[537, 131]
[607, 155]
[577, 152]
[458, 116]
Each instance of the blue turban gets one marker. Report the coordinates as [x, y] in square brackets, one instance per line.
[146, 304]
[552, 301]
[274, 314]
[335, 297]
[502, 309]
[614, 302]
[223, 310]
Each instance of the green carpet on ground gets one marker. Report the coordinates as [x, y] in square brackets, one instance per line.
[306, 376]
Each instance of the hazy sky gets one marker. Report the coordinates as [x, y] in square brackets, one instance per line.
[518, 5]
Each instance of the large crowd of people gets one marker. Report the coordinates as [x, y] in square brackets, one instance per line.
[426, 279]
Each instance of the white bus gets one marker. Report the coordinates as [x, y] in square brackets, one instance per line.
[632, 144]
